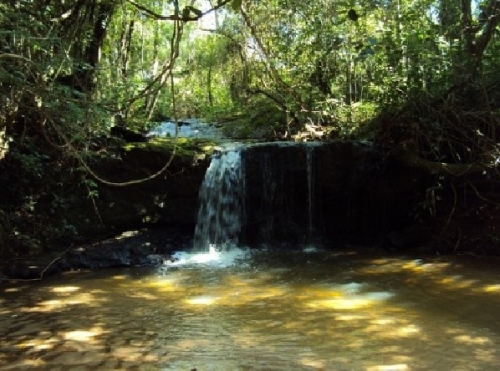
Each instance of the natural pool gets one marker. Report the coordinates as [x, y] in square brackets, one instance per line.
[300, 310]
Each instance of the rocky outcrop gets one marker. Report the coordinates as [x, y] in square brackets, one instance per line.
[170, 199]
[329, 194]
[340, 192]
[332, 193]
[146, 247]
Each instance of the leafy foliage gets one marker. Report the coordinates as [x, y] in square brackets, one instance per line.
[416, 75]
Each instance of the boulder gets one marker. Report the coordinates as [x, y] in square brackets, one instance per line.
[145, 247]
[170, 199]
[333, 193]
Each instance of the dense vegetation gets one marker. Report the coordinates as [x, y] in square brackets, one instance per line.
[419, 77]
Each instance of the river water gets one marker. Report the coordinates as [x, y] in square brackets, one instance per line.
[265, 310]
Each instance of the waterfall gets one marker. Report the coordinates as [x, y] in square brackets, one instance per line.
[259, 194]
[220, 216]
[310, 192]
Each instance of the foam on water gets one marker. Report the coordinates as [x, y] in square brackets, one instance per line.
[212, 258]
[351, 288]
[220, 216]
[309, 249]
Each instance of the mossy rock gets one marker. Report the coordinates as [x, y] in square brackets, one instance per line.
[169, 198]
[184, 147]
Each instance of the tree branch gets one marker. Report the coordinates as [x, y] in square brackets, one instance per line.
[493, 14]
[177, 17]
[273, 72]
[410, 159]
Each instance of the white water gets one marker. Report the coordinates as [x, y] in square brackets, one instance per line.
[221, 202]
[213, 258]
[222, 212]
[192, 128]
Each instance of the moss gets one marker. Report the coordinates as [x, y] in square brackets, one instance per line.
[188, 147]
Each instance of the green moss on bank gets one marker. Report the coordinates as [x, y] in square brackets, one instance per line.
[184, 147]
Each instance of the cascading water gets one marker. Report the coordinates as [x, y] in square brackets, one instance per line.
[310, 191]
[259, 194]
[220, 216]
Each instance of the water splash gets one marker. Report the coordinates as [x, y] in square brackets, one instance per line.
[212, 258]
[258, 194]
[220, 216]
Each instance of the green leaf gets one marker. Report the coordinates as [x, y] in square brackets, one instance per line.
[236, 4]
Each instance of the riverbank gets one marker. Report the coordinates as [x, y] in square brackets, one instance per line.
[150, 247]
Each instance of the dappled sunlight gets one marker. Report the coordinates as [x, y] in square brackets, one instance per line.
[133, 354]
[467, 339]
[383, 321]
[202, 300]
[164, 285]
[351, 317]
[64, 289]
[415, 266]
[311, 362]
[41, 343]
[350, 301]
[84, 335]
[341, 303]
[396, 367]
[254, 281]
[14, 289]
[456, 282]
[238, 292]
[145, 296]
[410, 330]
[490, 288]
[85, 299]
[373, 314]
[436, 273]
[387, 329]
[120, 277]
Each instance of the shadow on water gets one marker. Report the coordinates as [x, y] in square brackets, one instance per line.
[269, 310]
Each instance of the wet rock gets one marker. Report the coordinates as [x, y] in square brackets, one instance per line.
[333, 194]
[170, 199]
[127, 134]
[150, 260]
[147, 247]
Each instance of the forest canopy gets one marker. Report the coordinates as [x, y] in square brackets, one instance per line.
[70, 69]
[420, 76]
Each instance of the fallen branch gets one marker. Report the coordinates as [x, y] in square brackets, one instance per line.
[411, 160]
[52, 262]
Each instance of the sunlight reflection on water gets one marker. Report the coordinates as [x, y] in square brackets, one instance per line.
[256, 310]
